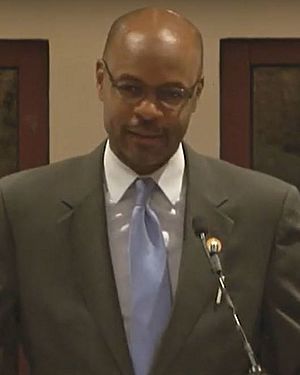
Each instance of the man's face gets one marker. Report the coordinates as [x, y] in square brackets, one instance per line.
[143, 124]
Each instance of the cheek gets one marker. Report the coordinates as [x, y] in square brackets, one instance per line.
[108, 120]
[178, 129]
[185, 120]
[114, 117]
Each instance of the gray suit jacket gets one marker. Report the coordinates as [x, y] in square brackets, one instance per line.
[57, 289]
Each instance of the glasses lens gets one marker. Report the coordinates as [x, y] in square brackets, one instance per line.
[171, 95]
[130, 91]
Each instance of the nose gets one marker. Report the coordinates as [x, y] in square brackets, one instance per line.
[148, 110]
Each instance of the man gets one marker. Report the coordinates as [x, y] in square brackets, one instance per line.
[66, 232]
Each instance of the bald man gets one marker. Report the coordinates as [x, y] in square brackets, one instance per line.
[65, 275]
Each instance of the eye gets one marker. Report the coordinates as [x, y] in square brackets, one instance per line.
[172, 95]
[130, 90]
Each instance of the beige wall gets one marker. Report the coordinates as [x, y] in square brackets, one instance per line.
[76, 31]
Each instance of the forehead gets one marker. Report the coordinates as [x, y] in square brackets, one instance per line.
[154, 59]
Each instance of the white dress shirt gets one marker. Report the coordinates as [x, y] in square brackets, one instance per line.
[168, 201]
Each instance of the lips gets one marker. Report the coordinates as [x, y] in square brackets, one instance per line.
[145, 134]
[146, 139]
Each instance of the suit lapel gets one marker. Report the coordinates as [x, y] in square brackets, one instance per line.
[197, 285]
[85, 227]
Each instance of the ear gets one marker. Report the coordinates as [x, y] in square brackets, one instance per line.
[99, 78]
[199, 89]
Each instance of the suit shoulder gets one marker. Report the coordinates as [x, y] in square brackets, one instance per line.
[53, 176]
[235, 178]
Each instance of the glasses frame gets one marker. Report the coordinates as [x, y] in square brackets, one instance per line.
[189, 90]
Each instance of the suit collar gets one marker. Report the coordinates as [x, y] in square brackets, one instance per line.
[85, 177]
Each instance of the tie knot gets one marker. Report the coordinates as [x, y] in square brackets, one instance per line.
[143, 188]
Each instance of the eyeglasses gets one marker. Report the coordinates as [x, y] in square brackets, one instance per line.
[169, 95]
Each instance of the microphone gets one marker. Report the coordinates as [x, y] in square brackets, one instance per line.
[212, 246]
[201, 229]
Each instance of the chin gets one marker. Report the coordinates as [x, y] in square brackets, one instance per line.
[147, 167]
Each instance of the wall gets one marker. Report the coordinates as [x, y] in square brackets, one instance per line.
[76, 31]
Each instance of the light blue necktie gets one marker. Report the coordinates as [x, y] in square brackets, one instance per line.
[150, 283]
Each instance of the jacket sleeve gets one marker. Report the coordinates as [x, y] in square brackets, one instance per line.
[8, 298]
[282, 295]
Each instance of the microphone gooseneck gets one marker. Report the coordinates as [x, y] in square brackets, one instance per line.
[212, 247]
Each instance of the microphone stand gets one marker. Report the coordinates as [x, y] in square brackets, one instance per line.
[214, 260]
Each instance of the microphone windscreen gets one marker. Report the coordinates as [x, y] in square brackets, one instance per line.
[199, 225]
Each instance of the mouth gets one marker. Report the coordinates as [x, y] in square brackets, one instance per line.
[145, 134]
[146, 138]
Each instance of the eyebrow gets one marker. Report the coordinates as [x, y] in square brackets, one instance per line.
[129, 77]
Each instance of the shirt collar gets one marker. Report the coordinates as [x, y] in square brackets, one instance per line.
[119, 177]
